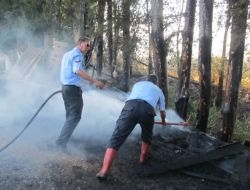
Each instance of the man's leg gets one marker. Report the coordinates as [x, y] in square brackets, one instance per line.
[73, 105]
[147, 123]
[124, 126]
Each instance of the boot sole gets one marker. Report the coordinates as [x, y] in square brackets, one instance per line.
[101, 178]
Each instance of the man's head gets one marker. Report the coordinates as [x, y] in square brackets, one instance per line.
[152, 78]
[83, 44]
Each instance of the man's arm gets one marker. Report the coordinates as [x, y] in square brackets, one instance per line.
[87, 77]
[162, 107]
[163, 116]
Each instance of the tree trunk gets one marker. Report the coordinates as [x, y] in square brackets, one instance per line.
[100, 20]
[184, 69]
[158, 45]
[83, 18]
[204, 62]
[150, 64]
[126, 45]
[178, 34]
[239, 9]
[110, 34]
[116, 33]
[219, 93]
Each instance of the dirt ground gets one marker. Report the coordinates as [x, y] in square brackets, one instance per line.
[77, 172]
[42, 167]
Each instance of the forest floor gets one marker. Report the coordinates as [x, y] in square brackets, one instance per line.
[74, 172]
[45, 168]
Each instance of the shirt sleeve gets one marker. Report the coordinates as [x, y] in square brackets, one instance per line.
[77, 63]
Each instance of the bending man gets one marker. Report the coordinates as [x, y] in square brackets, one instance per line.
[139, 108]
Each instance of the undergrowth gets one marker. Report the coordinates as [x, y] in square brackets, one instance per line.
[242, 124]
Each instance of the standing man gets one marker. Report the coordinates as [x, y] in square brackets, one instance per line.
[72, 72]
[139, 108]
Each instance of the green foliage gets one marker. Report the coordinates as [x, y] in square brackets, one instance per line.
[171, 97]
[192, 110]
[27, 11]
[242, 129]
[213, 121]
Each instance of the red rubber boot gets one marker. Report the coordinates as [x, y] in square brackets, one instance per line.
[144, 152]
[107, 162]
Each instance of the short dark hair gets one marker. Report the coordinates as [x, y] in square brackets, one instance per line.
[152, 78]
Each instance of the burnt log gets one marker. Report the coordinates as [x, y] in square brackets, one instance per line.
[205, 176]
[190, 160]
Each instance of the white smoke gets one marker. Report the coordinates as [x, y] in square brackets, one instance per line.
[22, 100]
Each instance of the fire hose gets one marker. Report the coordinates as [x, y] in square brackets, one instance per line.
[30, 121]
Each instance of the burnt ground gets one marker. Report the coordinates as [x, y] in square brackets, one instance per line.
[42, 167]
[27, 165]
[77, 171]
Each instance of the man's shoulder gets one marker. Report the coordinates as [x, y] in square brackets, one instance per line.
[75, 53]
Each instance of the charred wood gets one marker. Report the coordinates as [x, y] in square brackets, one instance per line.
[185, 161]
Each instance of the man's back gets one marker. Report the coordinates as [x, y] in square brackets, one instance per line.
[148, 91]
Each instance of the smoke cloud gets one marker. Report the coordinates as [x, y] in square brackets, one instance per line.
[28, 77]
[29, 74]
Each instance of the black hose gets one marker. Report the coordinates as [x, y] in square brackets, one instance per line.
[30, 121]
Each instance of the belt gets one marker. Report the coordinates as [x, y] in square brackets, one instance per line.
[72, 86]
[139, 100]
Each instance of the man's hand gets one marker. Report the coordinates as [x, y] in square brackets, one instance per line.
[163, 116]
[87, 77]
[98, 84]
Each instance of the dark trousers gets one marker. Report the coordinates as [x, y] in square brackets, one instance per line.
[73, 102]
[134, 112]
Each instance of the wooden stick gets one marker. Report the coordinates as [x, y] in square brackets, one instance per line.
[170, 123]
